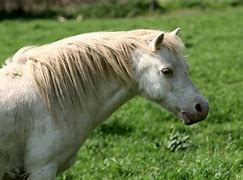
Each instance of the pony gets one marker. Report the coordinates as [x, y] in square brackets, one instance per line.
[52, 96]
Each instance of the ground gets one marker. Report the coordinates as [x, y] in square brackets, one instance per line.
[141, 141]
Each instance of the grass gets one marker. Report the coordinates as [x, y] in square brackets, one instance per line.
[141, 141]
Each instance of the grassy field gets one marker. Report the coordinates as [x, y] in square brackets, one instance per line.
[141, 141]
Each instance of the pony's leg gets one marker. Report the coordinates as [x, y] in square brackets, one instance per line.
[47, 172]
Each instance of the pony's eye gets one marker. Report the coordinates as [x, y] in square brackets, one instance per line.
[167, 71]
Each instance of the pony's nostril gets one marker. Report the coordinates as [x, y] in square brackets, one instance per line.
[198, 108]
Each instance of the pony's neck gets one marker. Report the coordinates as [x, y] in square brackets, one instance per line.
[112, 95]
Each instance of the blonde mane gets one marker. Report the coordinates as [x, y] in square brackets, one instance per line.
[65, 72]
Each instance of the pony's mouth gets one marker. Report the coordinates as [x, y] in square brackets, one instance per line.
[186, 118]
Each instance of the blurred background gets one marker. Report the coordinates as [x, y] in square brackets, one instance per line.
[102, 8]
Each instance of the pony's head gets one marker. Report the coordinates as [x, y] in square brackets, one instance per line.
[162, 76]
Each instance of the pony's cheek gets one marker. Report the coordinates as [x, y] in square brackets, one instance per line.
[153, 91]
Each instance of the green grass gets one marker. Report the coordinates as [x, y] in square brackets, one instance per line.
[141, 141]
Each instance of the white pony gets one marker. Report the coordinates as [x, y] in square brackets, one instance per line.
[52, 96]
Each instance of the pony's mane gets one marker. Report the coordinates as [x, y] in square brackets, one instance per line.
[65, 72]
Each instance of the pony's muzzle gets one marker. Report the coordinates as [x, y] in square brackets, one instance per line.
[198, 113]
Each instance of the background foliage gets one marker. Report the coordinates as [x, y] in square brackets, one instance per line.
[103, 8]
[141, 141]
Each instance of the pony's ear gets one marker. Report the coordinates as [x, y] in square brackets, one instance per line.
[176, 31]
[157, 41]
